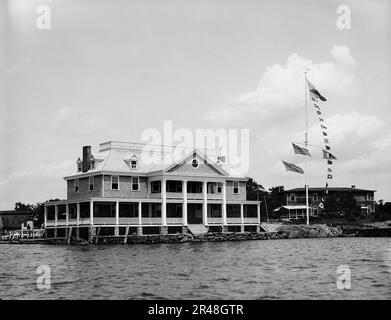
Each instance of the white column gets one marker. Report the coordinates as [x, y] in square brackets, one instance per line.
[45, 215]
[241, 214]
[259, 213]
[78, 213]
[184, 209]
[164, 212]
[91, 212]
[55, 215]
[117, 213]
[139, 213]
[67, 214]
[224, 207]
[205, 206]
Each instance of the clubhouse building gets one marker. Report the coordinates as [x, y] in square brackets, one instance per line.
[115, 192]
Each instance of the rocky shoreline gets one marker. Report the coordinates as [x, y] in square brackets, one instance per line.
[285, 232]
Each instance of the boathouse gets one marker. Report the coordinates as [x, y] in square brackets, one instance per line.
[116, 192]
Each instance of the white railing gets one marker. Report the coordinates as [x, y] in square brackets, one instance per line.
[50, 223]
[104, 220]
[176, 220]
[133, 220]
[195, 196]
[234, 220]
[174, 195]
[72, 221]
[215, 220]
[148, 220]
[251, 220]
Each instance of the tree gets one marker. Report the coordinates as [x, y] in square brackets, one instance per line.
[19, 206]
[254, 190]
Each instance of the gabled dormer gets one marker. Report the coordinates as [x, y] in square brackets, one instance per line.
[132, 162]
[79, 165]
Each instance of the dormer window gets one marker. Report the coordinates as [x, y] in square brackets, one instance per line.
[78, 162]
[132, 162]
[92, 163]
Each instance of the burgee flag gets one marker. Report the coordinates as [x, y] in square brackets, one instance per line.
[315, 92]
[327, 155]
[300, 150]
[292, 167]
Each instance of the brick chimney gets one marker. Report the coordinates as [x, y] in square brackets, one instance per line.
[86, 158]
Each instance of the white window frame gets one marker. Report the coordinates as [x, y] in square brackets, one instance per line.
[198, 163]
[91, 178]
[76, 184]
[138, 184]
[112, 182]
[131, 164]
[79, 166]
[233, 187]
[219, 187]
[155, 183]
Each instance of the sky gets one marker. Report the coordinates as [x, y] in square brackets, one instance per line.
[107, 70]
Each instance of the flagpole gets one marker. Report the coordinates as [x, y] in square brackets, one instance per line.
[306, 144]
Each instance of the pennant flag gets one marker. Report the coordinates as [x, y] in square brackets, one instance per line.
[292, 167]
[329, 162]
[319, 113]
[327, 155]
[324, 133]
[327, 148]
[315, 92]
[314, 99]
[329, 170]
[316, 106]
[323, 127]
[321, 119]
[221, 158]
[300, 150]
[329, 176]
[326, 140]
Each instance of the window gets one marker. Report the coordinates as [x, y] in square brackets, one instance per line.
[194, 163]
[135, 184]
[155, 186]
[174, 186]
[76, 185]
[315, 197]
[92, 164]
[219, 188]
[236, 187]
[133, 164]
[114, 183]
[292, 197]
[91, 183]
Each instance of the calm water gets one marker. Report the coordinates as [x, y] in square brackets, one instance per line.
[276, 269]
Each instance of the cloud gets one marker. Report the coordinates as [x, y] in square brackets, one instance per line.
[280, 92]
